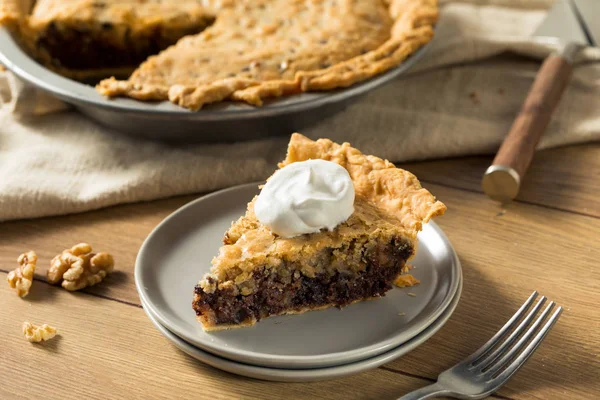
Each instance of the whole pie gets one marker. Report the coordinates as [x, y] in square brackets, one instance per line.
[258, 274]
[250, 51]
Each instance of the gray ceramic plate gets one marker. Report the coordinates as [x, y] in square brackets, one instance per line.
[178, 253]
[165, 121]
[306, 375]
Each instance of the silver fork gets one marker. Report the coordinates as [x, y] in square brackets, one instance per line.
[484, 371]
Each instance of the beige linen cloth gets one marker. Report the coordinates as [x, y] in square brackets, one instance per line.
[461, 99]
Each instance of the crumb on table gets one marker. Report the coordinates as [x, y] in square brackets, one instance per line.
[36, 334]
[406, 281]
[412, 294]
[474, 97]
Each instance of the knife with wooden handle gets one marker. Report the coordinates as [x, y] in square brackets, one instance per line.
[502, 179]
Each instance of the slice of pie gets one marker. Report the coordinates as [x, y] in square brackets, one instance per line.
[97, 38]
[259, 49]
[258, 274]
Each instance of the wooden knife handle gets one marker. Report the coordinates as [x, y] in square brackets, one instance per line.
[519, 146]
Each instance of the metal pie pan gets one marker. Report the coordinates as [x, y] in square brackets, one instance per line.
[165, 121]
[178, 253]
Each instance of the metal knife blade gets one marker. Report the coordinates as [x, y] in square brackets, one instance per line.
[588, 13]
[562, 23]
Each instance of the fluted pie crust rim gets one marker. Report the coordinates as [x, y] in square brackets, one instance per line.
[185, 81]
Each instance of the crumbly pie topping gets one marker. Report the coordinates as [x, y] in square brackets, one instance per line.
[394, 190]
[268, 48]
[252, 243]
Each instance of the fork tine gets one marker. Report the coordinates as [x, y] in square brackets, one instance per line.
[517, 347]
[513, 336]
[502, 332]
[529, 350]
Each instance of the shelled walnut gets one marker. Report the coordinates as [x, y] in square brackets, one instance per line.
[78, 267]
[36, 334]
[22, 277]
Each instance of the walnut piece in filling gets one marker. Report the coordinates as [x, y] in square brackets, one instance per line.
[22, 277]
[78, 267]
[36, 334]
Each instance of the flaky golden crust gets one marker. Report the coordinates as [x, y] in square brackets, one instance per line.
[253, 245]
[268, 48]
[394, 190]
[13, 15]
[13, 11]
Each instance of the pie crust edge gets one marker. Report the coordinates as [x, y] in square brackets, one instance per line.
[412, 29]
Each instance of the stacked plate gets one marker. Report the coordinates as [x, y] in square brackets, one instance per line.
[313, 346]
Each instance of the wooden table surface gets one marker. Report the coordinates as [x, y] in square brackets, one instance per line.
[548, 240]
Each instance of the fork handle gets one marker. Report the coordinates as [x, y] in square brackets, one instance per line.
[427, 392]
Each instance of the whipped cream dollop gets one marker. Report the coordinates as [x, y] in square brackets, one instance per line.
[305, 197]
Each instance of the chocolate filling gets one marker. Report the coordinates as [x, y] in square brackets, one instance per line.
[277, 293]
[80, 48]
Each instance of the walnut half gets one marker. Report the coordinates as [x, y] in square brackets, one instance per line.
[22, 277]
[36, 334]
[78, 267]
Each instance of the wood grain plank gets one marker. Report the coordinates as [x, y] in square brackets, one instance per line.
[506, 254]
[505, 258]
[565, 178]
[108, 350]
[118, 230]
[121, 231]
